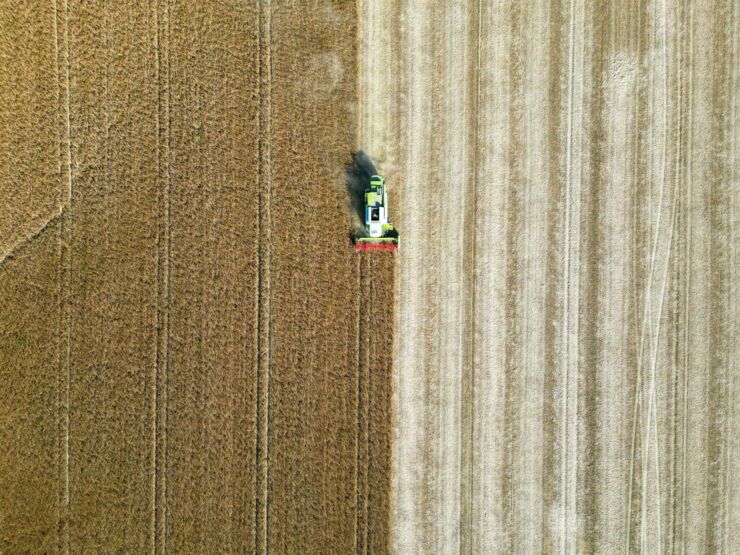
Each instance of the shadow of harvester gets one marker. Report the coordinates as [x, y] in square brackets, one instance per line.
[357, 180]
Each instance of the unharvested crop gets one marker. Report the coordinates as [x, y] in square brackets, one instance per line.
[184, 365]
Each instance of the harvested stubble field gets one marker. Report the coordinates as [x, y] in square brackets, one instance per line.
[192, 356]
[566, 362]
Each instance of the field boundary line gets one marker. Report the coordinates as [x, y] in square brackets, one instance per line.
[362, 416]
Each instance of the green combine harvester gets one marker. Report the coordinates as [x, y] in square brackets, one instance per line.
[378, 234]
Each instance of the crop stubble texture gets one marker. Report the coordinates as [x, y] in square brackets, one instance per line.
[183, 366]
[589, 405]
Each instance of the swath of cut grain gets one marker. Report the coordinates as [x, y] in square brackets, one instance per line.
[214, 236]
[709, 340]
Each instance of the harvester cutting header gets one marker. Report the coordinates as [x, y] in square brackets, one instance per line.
[378, 234]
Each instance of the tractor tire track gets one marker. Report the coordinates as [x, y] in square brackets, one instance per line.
[263, 312]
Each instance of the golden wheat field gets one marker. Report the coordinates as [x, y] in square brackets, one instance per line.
[194, 359]
[192, 356]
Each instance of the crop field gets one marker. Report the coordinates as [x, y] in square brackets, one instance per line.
[192, 356]
[194, 359]
[566, 358]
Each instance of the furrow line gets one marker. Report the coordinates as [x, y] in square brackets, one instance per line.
[263, 278]
[154, 403]
[159, 523]
[66, 263]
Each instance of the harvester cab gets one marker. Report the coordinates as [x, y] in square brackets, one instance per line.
[378, 234]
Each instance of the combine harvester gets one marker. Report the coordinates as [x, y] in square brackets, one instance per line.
[378, 234]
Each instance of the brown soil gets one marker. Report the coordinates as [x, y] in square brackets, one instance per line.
[192, 356]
